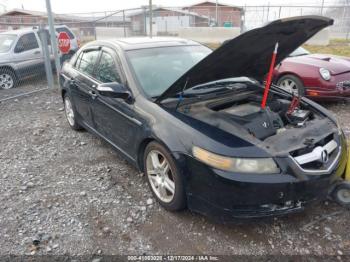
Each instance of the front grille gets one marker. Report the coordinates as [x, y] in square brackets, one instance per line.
[317, 156]
[343, 85]
[311, 145]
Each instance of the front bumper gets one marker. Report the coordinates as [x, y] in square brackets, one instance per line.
[337, 88]
[331, 94]
[225, 196]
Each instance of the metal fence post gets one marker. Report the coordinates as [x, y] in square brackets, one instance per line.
[243, 18]
[124, 23]
[150, 18]
[95, 33]
[46, 54]
[106, 24]
[268, 12]
[53, 37]
[216, 13]
[279, 12]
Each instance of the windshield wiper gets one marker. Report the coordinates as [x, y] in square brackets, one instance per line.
[214, 88]
[298, 55]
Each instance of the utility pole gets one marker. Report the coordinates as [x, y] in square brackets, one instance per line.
[150, 18]
[322, 7]
[46, 54]
[53, 37]
[216, 13]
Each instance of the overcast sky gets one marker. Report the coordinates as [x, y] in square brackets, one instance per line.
[80, 6]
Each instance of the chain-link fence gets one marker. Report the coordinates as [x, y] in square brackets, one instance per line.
[255, 16]
[24, 40]
[169, 20]
[23, 63]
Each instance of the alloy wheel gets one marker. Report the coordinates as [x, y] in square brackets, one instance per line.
[69, 111]
[290, 86]
[6, 81]
[160, 176]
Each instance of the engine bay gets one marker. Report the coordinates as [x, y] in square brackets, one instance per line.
[283, 119]
[263, 123]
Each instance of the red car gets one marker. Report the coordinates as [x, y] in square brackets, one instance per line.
[316, 76]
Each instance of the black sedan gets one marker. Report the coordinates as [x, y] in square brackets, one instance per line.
[191, 120]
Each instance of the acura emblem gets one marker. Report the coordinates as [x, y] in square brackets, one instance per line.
[324, 156]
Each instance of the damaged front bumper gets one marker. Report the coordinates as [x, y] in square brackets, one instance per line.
[225, 196]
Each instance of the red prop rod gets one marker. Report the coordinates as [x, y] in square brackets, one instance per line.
[269, 77]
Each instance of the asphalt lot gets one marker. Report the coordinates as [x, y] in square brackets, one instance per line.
[74, 195]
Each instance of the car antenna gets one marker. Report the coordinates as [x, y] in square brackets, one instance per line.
[269, 77]
[181, 95]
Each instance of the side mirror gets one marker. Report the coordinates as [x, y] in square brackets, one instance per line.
[114, 90]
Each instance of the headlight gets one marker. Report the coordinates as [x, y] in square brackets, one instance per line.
[239, 165]
[326, 75]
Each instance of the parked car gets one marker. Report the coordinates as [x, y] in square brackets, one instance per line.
[317, 76]
[21, 54]
[74, 41]
[190, 119]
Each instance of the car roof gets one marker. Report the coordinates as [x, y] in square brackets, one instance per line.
[20, 31]
[132, 43]
[28, 30]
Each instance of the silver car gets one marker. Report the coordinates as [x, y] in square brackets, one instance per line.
[21, 54]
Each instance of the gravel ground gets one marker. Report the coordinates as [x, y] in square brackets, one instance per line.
[66, 192]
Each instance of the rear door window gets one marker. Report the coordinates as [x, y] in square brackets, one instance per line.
[26, 42]
[107, 70]
[86, 61]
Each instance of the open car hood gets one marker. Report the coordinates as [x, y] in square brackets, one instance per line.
[250, 53]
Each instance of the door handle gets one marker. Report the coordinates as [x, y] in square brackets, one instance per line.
[36, 52]
[93, 94]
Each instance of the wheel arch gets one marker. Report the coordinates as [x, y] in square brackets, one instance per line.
[289, 73]
[141, 150]
[7, 67]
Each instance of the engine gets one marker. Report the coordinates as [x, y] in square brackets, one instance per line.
[259, 123]
[263, 123]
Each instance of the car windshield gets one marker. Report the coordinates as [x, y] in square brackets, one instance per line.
[157, 68]
[299, 52]
[6, 42]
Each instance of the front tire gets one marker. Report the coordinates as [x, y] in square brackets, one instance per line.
[291, 84]
[341, 194]
[8, 79]
[164, 178]
[70, 113]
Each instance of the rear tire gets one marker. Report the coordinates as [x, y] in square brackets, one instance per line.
[8, 79]
[292, 84]
[164, 178]
[71, 113]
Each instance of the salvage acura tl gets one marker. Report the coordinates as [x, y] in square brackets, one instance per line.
[191, 120]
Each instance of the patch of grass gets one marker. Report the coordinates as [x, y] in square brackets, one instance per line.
[334, 48]
[212, 46]
[339, 41]
[340, 47]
